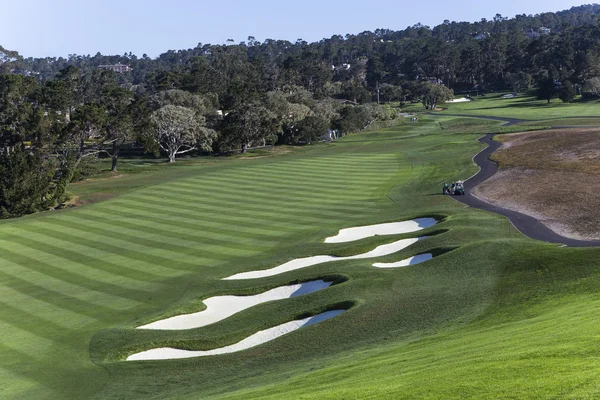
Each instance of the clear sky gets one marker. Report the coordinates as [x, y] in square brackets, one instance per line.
[41, 28]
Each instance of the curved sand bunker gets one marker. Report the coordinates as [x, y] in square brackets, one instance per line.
[300, 263]
[260, 337]
[421, 258]
[393, 228]
[220, 307]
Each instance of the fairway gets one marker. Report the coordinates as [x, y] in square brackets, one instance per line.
[491, 314]
[526, 107]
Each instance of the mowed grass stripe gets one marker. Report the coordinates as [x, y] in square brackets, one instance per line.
[294, 210]
[138, 257]
[318, 173]
[326, 180]
[149, 248]
[282, 194]
[150, 227]
[161, 224]
[256, 213]
[16, 276]
[29, 336]
[154, 256]
[62, 299]
[207, 214]
[75, 273]
[134, 210]
[40, 309]
[331, 203]
[93, 258]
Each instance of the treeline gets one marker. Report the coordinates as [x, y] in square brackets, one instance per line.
[487, 53]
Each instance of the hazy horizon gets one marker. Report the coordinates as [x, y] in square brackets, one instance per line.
[154, 27]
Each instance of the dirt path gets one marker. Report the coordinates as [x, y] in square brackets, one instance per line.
[527, 225]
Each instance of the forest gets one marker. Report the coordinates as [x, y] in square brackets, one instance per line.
[59, 114]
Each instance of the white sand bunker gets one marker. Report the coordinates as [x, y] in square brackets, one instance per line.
[421, 258]
[260, 337]
[393, 228]
[220, 307]
[299, 263]
[459, 100]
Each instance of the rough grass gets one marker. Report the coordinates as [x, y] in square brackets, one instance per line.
[498, 316]
[482, 126]
[552, 175]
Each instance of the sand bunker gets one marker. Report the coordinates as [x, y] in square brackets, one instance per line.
[260, 337]
[299, 263]
[421, 258]
[393, 228]
[459, 100]
[220, 307]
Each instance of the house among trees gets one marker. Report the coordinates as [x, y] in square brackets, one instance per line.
[118, 68]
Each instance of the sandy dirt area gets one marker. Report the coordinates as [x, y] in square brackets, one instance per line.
[551, 175]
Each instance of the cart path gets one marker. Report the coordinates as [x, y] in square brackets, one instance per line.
[527, 225]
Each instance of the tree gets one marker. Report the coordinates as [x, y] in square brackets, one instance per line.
[591, 87]
[567, 92]
[432, 94]
[25, 182]
[310, 129]
[547, 89]
[250, 124]
[519, 81]
[390, 92]
[178, 130]
[119, 121]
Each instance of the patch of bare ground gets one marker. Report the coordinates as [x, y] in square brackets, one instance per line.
[552, 175]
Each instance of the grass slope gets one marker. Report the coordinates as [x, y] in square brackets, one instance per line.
[526, 107]
[474, 321]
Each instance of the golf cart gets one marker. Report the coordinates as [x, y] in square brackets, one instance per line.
[459, 188]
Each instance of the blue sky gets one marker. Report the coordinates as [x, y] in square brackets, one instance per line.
[60, 27]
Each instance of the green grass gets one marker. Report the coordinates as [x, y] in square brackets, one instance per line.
[525, 106]
[495, 315]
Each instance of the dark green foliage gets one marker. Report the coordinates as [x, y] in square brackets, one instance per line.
[311, 129]
[567, 92]
[353, 119]
[25, 183]
[547, 89]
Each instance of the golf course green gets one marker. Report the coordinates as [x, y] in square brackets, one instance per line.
[492, 315]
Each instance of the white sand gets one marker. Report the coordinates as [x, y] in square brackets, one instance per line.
[405, 263]
[299, 263]
[393, 228]
[509, 96]
[460, 100]
[260, 337]
[220, 307]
